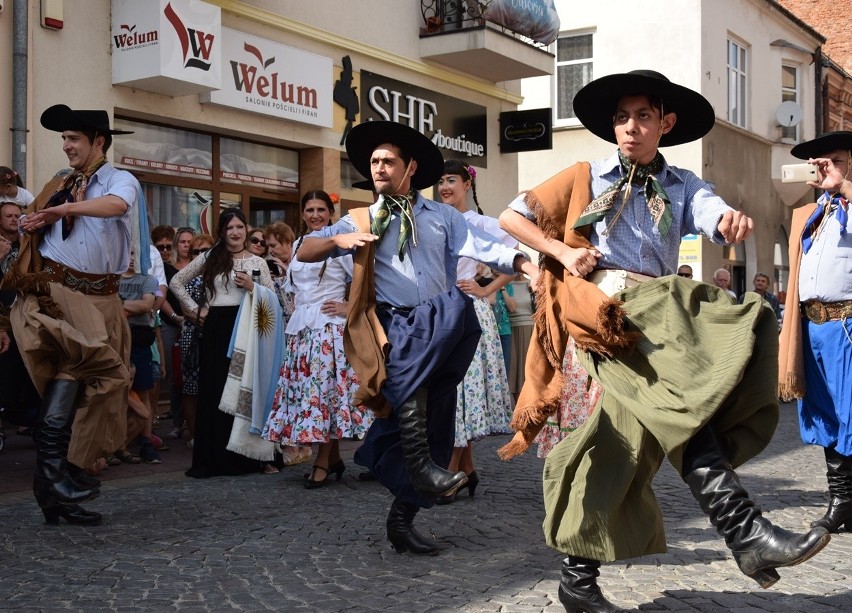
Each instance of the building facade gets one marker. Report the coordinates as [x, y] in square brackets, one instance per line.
[246, 103]
[747, 57]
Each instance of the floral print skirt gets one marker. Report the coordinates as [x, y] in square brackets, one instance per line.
[579, 396]
[483, 402]
[313, 400]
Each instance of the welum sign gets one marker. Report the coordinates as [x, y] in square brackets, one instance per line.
[263, 76]
[457, 127]
[169, 47]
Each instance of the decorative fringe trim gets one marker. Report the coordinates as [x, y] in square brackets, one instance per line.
[791, 387]
[610, 323]
[513, 448]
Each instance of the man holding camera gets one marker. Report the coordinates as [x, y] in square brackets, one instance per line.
[816, 340]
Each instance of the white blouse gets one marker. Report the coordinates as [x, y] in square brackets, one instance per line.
[310, 290]
[227, 292]
[466, 267]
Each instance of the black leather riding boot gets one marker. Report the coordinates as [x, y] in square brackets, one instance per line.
[578, 588]
[758, 546]
[52, 485]
[427, 478]
[839, 475]
[401, 533]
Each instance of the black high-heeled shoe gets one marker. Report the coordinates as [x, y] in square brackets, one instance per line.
[72, 513]
[337, 468]
[472, 482]
[311, 483]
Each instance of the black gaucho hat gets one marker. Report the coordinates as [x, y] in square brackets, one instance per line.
[366, 184]
[594, 105]
[822, 145]
[60, 118]
[363, 139]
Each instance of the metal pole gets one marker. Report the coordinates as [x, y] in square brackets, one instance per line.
[19, 86]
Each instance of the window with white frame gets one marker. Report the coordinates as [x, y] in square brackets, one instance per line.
[737, 83]
[573, 71]
[790, 91]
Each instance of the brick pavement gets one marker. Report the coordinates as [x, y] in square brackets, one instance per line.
[262, 542]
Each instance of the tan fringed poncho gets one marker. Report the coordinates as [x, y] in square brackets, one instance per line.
[364, 339]
[566, 305]
[791, 360]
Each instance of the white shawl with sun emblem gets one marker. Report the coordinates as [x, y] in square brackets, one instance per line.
[256, 352]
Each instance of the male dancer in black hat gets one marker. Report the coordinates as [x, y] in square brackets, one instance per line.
[685, 373]
[75, 340]
[410, 334]
[816, 340]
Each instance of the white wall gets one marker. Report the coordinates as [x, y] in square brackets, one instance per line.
[686, 41]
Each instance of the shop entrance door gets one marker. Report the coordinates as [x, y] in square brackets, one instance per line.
[264, 210]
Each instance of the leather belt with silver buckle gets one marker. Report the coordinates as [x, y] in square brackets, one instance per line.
[821, 312]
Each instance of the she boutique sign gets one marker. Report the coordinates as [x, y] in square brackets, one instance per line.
[457, 127]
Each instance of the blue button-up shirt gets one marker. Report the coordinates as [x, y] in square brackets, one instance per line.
[97, 245]
[633, 242]
[430, 267]
[825, 273]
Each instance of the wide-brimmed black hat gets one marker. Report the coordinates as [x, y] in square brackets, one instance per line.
[363, 139]
[366, 184]
[822, 145]
[595, 104]
[60, 118]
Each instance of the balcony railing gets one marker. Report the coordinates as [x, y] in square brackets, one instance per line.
[446, 16]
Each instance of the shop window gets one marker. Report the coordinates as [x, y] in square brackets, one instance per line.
[169, 205]
[167, 151]
[256, 164]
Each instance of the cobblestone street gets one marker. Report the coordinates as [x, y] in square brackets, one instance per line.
[263, 542]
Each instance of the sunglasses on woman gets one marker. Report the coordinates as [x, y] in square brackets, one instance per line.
[258, 241]
[200, 251]
[164, 246]
[185, 229]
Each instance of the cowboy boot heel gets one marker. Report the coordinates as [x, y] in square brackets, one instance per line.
[765, 578]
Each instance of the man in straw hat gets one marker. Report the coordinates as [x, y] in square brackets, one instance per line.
[69, 320]
[410, 333]
[609, 232]
[816, 340]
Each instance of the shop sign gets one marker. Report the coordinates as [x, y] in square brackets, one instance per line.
[265, 77]
[528, 130]
[168, 47]
[457, 127]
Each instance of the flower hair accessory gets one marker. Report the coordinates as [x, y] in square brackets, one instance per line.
[335, 198]
[472, 172]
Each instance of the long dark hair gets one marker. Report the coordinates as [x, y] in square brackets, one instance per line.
[220, 262]
[10, 177]
[314, 194]
[457, 167]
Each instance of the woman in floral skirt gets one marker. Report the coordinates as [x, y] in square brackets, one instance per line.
[484, 404]
[313, 402]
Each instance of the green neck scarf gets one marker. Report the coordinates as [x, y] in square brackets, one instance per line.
[658, 201]
[382, 219]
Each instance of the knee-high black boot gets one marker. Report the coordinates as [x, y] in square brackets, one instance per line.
[401, 532]
[578, 588]
[52, 485]
[427, 478]
[758, 546]
[839, 476]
